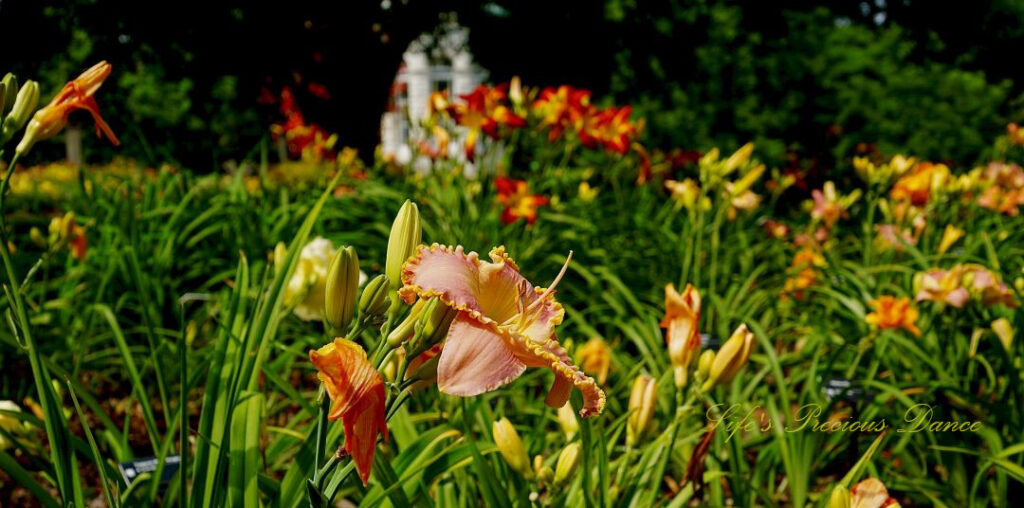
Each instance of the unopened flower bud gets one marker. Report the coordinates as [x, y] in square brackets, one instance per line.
[730, 358]
[341, 288]
[405, 237]
[390, 368]
[642, 400]
[404, 331]
[544, 473]
[37, 237]
[432, 325]
[10, 83]
[373, 303]
[1004, 330]
[707, 358]
[280, 251]
[840, 497]
[567, 421]
[3, 98]
[24, 104]
[568, 461]
[511, 447]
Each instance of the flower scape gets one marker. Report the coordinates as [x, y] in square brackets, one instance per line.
[329, 332]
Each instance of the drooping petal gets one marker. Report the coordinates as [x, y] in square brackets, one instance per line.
[475, 359]
[549, 353]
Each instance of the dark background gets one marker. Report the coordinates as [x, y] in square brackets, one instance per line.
[936, 79]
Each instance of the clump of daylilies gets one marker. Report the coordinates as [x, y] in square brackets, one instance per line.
[444, 315]
[715, 182]
[562, 114]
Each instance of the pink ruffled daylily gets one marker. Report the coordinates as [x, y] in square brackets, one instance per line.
[504, 325]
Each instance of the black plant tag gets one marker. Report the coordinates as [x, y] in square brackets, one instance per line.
[709, 342]
[843, 389]
[132, 469]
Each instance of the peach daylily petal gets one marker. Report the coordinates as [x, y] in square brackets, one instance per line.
[505, 324]
[475, 360]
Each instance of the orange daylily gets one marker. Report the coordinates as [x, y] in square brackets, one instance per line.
[682, 314]
[504, 324]
[892, 312]
[804, 270]
[77, 94]
[515, 196]
[357, 397]
[916, 186]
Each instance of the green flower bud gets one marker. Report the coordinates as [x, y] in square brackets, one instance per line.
[341, 289]
[374, 303]
[404, 331]
[24, 105]
[10, 85]
[432, 325]
[544, 473]
[405, 237]
[511, 447]
[840, 497]
[568, 461]
[707, 358]
[280, 251]
[642, 400]
[3, 98]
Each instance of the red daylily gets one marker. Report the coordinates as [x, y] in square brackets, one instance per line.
[484, 110]
[515, 196]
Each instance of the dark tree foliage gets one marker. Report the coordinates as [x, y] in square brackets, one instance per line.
[935, 78]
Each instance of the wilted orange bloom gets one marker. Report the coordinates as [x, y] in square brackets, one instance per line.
[484, 110]
[357, 397]
[504, 324]
[77, 94]
[892, 312]
[595, 358]
[682, 316]
[916, 186]
[515, 196]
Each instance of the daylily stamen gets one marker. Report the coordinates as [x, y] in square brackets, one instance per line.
[551, 288]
